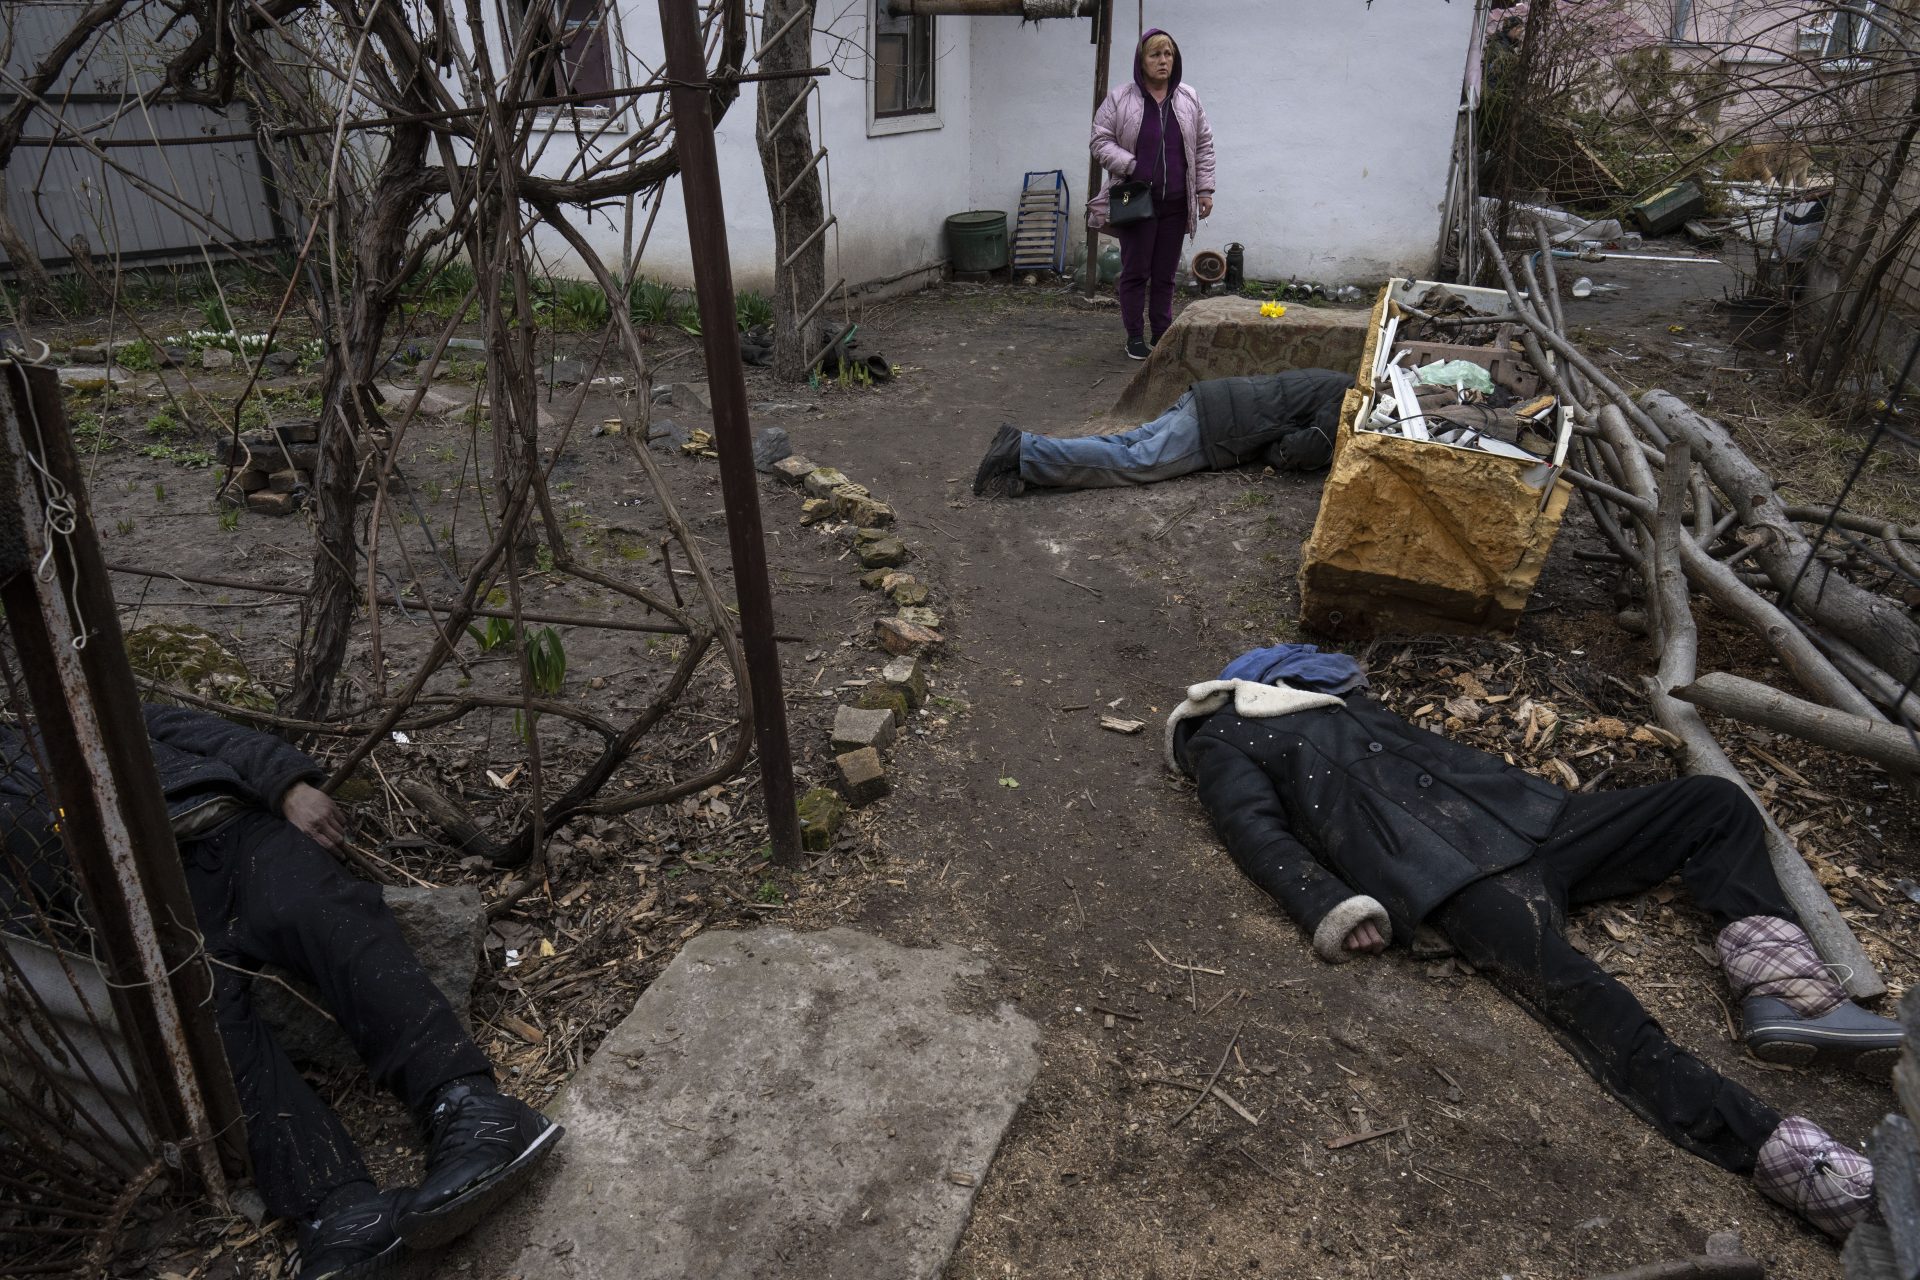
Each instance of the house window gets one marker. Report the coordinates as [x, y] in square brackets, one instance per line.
[578, 46]
[1682, 21]
[1851, 35]
[586, 54]
[903, 83]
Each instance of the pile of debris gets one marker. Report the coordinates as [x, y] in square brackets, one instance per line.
[1447, 371]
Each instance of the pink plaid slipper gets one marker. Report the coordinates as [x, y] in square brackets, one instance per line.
[1825, 1182]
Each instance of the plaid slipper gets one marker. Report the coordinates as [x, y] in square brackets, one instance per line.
[1803, 1168]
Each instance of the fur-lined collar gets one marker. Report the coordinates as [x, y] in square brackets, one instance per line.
[1250, 698]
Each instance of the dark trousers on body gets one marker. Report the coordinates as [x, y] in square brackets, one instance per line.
[1608, 845]
[265, 894]
[1149, 260]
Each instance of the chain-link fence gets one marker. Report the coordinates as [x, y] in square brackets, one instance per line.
[113, 1089]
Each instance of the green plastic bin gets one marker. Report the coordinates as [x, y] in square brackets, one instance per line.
[977, 240]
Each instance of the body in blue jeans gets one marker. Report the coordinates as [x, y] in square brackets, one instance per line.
[1168, 446]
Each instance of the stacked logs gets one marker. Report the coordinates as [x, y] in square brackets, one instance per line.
[1688, 514]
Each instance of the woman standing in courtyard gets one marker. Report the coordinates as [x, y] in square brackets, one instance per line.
[1152, 139]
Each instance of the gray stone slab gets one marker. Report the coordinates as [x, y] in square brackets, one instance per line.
[801, 1106]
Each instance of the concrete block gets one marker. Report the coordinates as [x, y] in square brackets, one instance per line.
[814, 510]
[898, 636]
[919, 616]
[909, 592]
[908, 675]
[252, 480]
[777, 1104]
[857, 727]
[793, 469]
[875, 579]
[880, 696]
[822, 481]
[862, 777]
[821, 813]
[882, 552]
[268, 503]
[286, 480]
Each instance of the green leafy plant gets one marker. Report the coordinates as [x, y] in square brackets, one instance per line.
[496, 634]
[137, 356]
[769, 892]
[230, 520]
[752, 310]
[579, 304]
[213, 312]
[123, 526]
[164, 424]
[186, 457]
[90, 432]
[547, 658]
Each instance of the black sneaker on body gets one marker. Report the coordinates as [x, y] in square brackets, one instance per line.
[999, 473]
[346, 1244]
[1137, 349]
[482, 1148]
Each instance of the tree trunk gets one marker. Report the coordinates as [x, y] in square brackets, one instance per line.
[784, 157]
[1872, 623]
[347, 413]
[35, 286]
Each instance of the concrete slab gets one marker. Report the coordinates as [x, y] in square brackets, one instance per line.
[778, 1104]
[1229, 338]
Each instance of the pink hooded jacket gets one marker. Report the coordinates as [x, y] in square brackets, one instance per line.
[1116, 127]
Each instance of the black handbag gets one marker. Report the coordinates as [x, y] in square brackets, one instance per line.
[1128, 203]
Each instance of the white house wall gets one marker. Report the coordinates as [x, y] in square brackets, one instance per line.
[891, 193]
[1333, 122]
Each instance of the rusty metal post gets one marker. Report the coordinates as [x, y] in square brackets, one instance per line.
[113, 819]
[727, 387]
[1103, 40]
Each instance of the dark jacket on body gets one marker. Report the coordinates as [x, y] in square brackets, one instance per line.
[1295, 411]
[1322, 805]
[201, 759]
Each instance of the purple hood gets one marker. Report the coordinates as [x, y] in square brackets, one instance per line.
[1140, 61]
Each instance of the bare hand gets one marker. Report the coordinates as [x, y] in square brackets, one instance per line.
[314, 812]
[1206, 206]
[1366, 937]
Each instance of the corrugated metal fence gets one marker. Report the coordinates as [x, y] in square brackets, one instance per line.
[135, 203]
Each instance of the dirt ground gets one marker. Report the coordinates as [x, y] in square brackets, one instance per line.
[1084, 872]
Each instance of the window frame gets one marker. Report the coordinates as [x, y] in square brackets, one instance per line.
[881, 122]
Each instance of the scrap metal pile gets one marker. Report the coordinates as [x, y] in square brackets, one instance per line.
[1687, 513]
[1449, 372]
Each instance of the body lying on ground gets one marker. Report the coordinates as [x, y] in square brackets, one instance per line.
[1363, 826]
[1285, 420]
[254, 835]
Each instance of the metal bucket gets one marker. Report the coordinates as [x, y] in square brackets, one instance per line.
[977, 240]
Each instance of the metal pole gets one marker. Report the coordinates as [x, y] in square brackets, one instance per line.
[727, 390]
[112, 817]
[1103, 38]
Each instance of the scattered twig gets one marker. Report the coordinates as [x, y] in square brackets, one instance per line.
[1211, 1080]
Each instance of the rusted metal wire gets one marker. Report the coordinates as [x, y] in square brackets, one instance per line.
[112, 1076]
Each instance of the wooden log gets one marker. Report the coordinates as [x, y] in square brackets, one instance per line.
[1677, 639]
[1879, 627]
[1770, 708]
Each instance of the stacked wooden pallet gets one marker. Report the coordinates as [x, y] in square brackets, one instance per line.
[1890, 1250]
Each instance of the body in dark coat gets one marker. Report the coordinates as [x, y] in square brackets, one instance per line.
[1296, 410]
[1322, 805]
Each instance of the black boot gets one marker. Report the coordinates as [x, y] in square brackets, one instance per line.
[481, 1149]
[362, 1239]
